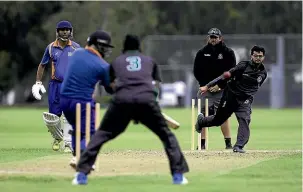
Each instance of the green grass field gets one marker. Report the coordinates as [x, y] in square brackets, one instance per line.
[135, 161]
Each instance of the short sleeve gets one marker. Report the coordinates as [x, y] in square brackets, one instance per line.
[46, 57]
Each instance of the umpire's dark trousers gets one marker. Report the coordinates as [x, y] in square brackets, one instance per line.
[229, 104]
[116, 120]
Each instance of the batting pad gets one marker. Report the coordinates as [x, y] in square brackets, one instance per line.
[53, 124]
[67, 130]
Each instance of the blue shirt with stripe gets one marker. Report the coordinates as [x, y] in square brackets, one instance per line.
[86, 67]
[58, 57]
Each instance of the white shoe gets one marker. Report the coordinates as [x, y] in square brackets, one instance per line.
[57, 145]
[179, 179]
[184, 181]
[68, 148]
[94, 167]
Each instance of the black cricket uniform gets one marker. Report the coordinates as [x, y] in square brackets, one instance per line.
[134, 99]
[246, 78]
[210, 62]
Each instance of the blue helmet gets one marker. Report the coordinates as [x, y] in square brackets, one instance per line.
[64, 25]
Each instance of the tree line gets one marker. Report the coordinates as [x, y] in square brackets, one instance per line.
[28, 27]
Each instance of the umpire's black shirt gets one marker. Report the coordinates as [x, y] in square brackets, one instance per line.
[133, 74]
[211, 61]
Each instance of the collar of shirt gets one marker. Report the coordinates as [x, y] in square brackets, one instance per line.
[93, 51]
[56, 43]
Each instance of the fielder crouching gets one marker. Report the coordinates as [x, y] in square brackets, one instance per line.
[244, 81]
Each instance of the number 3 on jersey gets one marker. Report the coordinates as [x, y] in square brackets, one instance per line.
[134, 63]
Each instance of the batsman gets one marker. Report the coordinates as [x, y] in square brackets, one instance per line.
[57, 54]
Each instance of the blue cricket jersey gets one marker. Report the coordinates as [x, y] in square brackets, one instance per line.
[85, 68]
[58, 57]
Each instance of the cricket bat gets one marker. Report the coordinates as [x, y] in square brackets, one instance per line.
[171, 122]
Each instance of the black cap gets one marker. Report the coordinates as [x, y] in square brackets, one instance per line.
[131, 42]
[100, 37]
[214, 32]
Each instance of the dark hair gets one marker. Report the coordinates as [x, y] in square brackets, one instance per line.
[131, 42]
[257, 48]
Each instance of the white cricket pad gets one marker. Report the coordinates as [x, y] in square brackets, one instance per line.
[67, 130]
[53, 124]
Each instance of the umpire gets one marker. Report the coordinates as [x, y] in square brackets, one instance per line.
[134, 99]
[210, 62]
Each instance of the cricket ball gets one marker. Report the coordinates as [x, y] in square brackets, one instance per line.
[226, 75]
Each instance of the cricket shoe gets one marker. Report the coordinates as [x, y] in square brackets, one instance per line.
[197, 126]
[73, 164]
[68, 148]
[80, 179]
[179, 179]
[238, 149]
[57, 145]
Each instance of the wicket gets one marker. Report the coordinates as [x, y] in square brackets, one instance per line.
[87, 127]
[193, 122]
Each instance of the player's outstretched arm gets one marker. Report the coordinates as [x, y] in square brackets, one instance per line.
[238, 69]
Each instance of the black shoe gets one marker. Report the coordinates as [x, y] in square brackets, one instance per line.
[228, 147]
[198, 128]
[238, 149]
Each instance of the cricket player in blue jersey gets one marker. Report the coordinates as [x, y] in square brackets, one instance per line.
[57, 54]
[86, 68]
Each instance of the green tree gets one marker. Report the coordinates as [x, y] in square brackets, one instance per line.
[117, 18]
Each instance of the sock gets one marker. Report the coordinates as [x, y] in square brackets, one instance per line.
[227, 141]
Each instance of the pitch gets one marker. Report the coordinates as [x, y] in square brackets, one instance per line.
[136, 162]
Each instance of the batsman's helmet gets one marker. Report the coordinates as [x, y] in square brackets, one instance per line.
[64, 25]
[131, 42]
[102, 41]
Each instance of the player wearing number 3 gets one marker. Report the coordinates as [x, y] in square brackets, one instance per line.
[134, 98]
